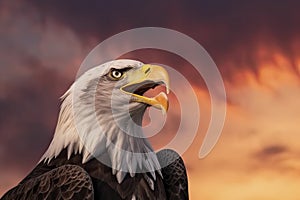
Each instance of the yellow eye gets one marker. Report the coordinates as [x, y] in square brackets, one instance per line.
[116, 74]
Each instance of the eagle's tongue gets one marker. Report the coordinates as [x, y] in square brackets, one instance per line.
[161, 102]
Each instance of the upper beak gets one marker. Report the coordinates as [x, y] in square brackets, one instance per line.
[144, 78]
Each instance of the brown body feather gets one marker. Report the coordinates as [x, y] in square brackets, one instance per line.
[68, 179]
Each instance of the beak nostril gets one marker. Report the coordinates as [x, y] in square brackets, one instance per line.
[147, 70]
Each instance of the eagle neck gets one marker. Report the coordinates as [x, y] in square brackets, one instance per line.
[78, 132]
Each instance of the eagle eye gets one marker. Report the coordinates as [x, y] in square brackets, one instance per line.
[116, 74]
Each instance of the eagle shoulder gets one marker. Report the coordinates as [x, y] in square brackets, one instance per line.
[174, 174]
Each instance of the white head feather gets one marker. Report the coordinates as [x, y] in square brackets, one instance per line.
[87, 126]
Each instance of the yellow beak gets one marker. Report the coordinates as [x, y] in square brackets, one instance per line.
[144, 78]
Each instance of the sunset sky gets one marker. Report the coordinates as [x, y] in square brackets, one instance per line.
[255, 44]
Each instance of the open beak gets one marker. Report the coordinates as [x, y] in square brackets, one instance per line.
[145, 78]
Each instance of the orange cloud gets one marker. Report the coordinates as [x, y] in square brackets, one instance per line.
[256, 156]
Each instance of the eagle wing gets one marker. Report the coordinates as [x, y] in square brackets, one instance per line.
[174, 174]
[65, 182]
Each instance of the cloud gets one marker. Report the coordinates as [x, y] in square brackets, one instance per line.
[259, 145]
[271, 151]
[232, 31]
[29, 38]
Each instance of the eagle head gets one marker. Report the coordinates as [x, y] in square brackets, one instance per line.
[101, 116]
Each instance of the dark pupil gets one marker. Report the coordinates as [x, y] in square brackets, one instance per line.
[117, 73]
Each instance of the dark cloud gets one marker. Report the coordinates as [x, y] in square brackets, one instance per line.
[271, 151]
[28, 116]
[231, 30]
[244, 17]
[275, 158]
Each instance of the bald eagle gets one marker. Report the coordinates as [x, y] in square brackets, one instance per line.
[98, 150]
